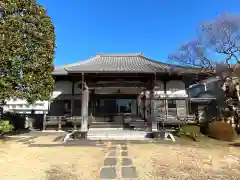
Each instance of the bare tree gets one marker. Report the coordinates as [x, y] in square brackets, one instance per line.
[219, 38]
[216, 49]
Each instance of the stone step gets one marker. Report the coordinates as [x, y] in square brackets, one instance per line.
[105, 125]
[118, 138]
[111, 134]
[105, 128]
[114, 134]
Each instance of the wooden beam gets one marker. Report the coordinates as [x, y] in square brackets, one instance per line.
[114, 96]
[92, 85]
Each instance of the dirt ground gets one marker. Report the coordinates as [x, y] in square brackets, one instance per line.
[185, 162]
[153, 161]
[19, 162]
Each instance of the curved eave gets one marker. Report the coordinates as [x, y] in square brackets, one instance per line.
[128, 72]
[59, 73]
[123, 63]
[117, 71]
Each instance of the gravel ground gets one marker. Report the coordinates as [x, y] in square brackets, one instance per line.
[176, 162]
[20, 162]
[153, 161]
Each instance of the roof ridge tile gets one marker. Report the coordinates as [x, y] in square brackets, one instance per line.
[121, 55]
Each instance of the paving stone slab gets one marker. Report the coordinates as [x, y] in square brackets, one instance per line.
[28, 142]
[124, 153]
[110, 162]
[129, 172]
[58, 138]
[26, 139]
[111, 153]
[108, 173]
[112, 148]
[126, 162]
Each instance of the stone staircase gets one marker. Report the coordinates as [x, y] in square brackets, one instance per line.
[110, 134]
[101, 129]
[104, 125]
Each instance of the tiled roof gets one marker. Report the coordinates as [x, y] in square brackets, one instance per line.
[119, 63]
[61, 70]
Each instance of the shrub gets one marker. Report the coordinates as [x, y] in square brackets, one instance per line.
[5, 126]
[221, 131]
[191, 131]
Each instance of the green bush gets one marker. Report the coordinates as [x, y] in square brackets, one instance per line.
[191, 131]
[221, 131]
[5, 126]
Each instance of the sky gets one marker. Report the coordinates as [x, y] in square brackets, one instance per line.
[155, 28]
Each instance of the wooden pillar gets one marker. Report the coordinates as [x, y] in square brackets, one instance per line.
[60, 123]
[93, 103]
[153, 112]
[49, 107]
[44, 121]
[165, 100]
[153, 105]
[72, 100]
[82, 109]
[85, 99]
[144, 104]
[74, 123]
[150, 108]
[187, 107]
[72, 106]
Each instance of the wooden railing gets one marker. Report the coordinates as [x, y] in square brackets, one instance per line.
[60, 121]
[75, 120]
[166, 121]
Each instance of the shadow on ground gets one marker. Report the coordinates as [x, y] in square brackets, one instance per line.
[18, 132]
[237, 144]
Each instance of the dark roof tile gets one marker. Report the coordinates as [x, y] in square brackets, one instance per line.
[119, 63]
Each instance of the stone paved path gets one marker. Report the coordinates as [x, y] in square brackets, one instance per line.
[117, 164]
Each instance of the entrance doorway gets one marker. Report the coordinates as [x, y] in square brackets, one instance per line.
[116, 106]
